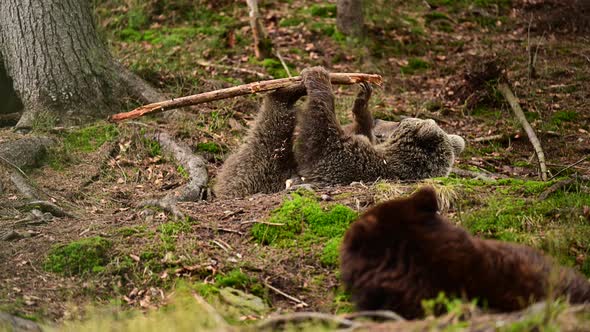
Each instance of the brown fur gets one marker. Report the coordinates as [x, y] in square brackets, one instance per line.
[265, 160]
[325, 153]
[402, 251]
[362, 120]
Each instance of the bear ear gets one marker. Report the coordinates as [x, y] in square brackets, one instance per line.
[458, 144]
[425, 200]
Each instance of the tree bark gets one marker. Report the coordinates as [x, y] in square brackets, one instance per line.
[51, 52]
[262, 44]
[349, 17]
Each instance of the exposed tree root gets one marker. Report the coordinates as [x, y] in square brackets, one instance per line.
[140, 89]
[194, 165]
[10, 119]
[46, 206]
[555, 187]
[25, 187]
[27, 153]
[13, 323]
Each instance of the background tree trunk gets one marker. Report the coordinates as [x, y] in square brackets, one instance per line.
[262, 44]
[51, 52]
[349, 17]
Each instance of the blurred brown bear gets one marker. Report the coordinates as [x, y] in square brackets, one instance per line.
[403, 251]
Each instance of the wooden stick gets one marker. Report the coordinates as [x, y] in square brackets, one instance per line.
[280, 292]
[513, 101]
[240, 90]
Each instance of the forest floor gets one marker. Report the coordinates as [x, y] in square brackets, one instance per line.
[436, 62]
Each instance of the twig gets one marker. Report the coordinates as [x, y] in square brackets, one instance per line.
[283, 63]
[498, 137]
[531, 63]
[298, 317]
[555, 187]
[280, 292]
[513, 101]
[13, 165]
[569, 166]
[471, 174]
[261, 44]
[227, 230]
[240, 90]
[261, 222]
[381, 314]
[241, 70]
[220, 245]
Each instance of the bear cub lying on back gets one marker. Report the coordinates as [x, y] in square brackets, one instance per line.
[402, 251]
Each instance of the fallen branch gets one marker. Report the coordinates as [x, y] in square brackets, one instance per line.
[555, 187]
[378, 314]
[569, 166]
[219, 229]
[513, 101]
[276, 322]
[476, 175]
[240, 90]
[280, 292]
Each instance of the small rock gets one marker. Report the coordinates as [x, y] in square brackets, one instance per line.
[327, 198]
[247, 303]
[10, 235]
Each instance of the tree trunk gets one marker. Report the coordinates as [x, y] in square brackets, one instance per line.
[349, 17]
[262, 44]
[57, 65]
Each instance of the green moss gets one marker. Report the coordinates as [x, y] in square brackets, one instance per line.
[130, 231]
[331, 253]
[78, 257]
[209, 147]
[274, 67]
[234, 279]
[442, 304]
[563, 116]
[414, 65]
[324, 29]
[169, 232]
[434, 16]
[327, 10]
[152, 146]
[180, 169]
[302, 215]
[342, 302]
[90, 138]
[555, 224]
[291, 21]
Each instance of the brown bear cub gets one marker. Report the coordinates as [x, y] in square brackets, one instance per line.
[403, 251]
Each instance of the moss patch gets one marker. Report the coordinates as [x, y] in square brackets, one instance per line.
[90, 138]
[78, 257]
[414, 65]
[302, 217]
